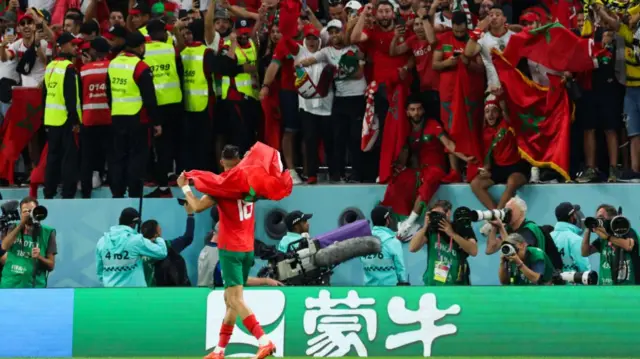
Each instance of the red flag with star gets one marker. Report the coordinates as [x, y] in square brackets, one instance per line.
[540, 116]
[467, 108]
[22, 121]
[552, 46]
[395, 131]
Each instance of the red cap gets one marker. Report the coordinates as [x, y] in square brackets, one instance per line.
[25, 16]
[134, 12]
[85, 46]
[244, 31]
[77, 41]
[529, 17]
[311, 30]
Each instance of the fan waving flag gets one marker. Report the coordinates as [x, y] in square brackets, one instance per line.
[540, 116]
[258, 175]
[467, 108]
[395, 131]
[552, 46]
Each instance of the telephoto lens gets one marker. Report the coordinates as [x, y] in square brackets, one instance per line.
[593, 223]
[508, 249]
[586, 278]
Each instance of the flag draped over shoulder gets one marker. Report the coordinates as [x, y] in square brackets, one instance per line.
[396, 129]
[552, 46]
[540, 116]
[258, 175]
[467, 108]
[22, 121]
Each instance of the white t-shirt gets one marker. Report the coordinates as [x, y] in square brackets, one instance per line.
[440, 19]
[8, 70]
[487, 43]
[344, 87]
[539, 73]
[37, 73]
[317, 106]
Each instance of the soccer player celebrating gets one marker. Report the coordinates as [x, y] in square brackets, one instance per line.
[236, 232]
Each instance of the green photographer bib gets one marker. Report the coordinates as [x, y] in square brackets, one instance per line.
[443, 261]
[532, 256]
[626, 273]
[18, 270]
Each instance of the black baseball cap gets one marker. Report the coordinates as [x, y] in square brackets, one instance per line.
[564, 211]
[156, 25]
[129, 216]
[64, 38]
[101, 45]
[134, 39]
[118, 31]
[140, 8]
[295, 217]
[379, 215]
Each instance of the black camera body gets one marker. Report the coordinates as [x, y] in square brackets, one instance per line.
[618, 226]
[435, 218]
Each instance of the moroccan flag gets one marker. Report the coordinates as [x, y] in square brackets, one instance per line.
[552, 46]
[467, 108]
[22, 121]
[540, 116]
[396, 129]
[37, 175]
[289, 13]
[258, 175]
[271, 130]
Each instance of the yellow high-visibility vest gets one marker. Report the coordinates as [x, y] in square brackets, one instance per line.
[55, 108]
[161, 59]
[196, 86]
[126, 99]
[246, 83]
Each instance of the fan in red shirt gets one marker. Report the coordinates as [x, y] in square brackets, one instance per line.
[502, 162]
[422, 45]
[420, 168]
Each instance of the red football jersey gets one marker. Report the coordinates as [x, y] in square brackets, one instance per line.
[237, 225]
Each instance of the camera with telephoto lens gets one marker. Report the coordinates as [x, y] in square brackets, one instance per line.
[435, 218]
[466, 214]
[586, 278]
[10, 214]
[508, 250]
[618, 226]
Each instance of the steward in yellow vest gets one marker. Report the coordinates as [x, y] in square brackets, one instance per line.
[161, 58]
[62, 118]
[240, 87]
[132, 98]
[198, 62]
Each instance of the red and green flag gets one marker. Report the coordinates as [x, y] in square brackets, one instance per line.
[396, 129]
[466, 112]
[258, 175]
[552, 46]
[540, 116]
[22, 121]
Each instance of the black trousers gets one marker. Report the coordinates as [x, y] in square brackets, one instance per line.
[95, 150]
[196, 141]
[62, 161]
[131, 140]
[242, 122]
[166, 145]
[346, 117]
[314, 128]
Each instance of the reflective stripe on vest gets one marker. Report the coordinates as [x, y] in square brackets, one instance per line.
[55, 109]
[126, 99]
[95, 104]
[161, 58]
[196, 86]
[246, 83]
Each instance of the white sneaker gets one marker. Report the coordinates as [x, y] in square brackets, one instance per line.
[486, 229]
[96, 182]
[295, 177]
[403, 228]
[535, 175]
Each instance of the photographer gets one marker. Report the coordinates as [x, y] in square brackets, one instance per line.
[31, 248]
[447, 251]
[522, 264]
[297, 224]
[618, 256]
[566, 235]
[119, 253]
[387, 267]
[530, 231]
[172, 270]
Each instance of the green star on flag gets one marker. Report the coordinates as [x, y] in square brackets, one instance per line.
[471, 107]
[33, 114]
[447, 108]
[530, 122]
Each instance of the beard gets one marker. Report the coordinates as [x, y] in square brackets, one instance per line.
[384, 23]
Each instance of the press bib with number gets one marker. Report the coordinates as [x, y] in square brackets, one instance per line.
[443, 264]
[237, 225]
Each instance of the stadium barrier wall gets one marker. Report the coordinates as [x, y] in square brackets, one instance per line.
[312, 321]
[80, 223]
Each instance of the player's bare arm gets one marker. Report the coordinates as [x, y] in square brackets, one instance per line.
[198, 204]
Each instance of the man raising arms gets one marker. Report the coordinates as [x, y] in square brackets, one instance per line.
[235, 244]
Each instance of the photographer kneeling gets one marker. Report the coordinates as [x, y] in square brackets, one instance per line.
[31, 248]
[617, 244]
[447, 251]
[522, 264]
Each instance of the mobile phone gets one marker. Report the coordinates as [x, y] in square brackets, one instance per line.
[456, 53]
[39, 27]
[10, 31]
[400, 21]
[304, 5]
[181, 201]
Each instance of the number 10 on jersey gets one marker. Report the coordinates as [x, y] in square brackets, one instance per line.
[245, 209]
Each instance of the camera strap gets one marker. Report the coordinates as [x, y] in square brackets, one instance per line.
[440, 258]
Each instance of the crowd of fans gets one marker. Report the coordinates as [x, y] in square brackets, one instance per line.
[255, 74]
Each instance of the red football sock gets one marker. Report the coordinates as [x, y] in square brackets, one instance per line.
[225, 335]
[252, 325]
